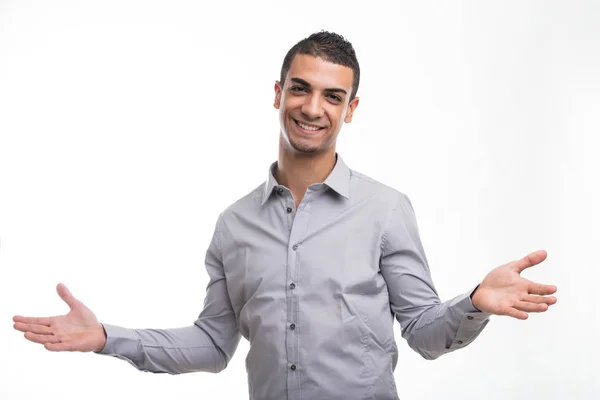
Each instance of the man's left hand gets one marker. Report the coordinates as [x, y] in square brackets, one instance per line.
[505, 292]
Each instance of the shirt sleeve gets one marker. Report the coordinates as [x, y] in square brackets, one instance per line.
[431, 328]
[206, 346]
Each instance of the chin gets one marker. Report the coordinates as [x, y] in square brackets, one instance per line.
[304, 149]
[300, 146]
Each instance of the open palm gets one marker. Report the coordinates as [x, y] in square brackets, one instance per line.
[505, 292]
[79, 330]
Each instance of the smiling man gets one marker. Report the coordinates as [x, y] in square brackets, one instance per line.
[312, 267]
[313, 116]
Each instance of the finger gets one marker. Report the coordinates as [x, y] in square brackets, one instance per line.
[33, 320]
[530, 260]
[40, 329]
[513, 312]
[66, 295]
[64, 346]
[41, 339]
[538, 288]
[539, 299]
[530, 307]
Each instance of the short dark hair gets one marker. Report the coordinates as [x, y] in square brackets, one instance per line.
[328, 46]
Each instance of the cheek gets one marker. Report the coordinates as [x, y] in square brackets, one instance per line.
[288, 105]
[336, 116]
[283, 118]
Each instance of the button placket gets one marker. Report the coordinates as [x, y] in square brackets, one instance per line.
[298, 223]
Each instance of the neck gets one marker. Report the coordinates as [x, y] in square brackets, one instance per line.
[297, 171]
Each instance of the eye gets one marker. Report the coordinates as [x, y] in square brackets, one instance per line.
[335, 97]
[298, 89]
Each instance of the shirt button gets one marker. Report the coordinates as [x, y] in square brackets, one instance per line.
[292, 326]
[293, 367]
[289, 210]
[470, 317]
[295, 247]
[279, 190]
[459, 341]
[292, 286]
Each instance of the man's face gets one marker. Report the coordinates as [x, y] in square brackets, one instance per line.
[313, 104]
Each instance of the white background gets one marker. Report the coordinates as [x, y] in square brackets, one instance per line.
[127, 126]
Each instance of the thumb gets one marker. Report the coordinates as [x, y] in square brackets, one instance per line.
[66, 295]
[530, 260]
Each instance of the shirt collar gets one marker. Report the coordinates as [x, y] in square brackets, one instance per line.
[338, 179]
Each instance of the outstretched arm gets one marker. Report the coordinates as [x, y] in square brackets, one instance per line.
[208, 345]
[433, 328]
[505, 292]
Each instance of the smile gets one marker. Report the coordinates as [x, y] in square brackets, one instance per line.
[308, 128]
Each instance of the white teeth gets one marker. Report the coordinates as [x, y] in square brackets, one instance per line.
[308, 127]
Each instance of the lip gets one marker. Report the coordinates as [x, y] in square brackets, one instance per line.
[306, 132]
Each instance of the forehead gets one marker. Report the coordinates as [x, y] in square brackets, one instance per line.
[321, 73]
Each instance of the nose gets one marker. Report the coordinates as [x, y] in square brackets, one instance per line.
[313, 108]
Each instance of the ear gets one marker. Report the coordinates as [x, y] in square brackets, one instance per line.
[278, 88]
[350, 110]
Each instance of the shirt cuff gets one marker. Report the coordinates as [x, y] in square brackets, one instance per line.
[121, 342]
[472, 322]
[471, 307]
[464, 305]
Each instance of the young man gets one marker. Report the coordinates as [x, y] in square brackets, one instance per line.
[311, 267]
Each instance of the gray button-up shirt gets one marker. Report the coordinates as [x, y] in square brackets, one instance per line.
[315, 290]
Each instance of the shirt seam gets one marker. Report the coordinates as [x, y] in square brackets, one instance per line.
[158, 346]
[386, 226]
[219, 222]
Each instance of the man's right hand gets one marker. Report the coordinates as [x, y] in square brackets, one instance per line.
[79, 330]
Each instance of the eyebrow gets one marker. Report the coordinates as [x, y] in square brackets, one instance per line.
[303, 82]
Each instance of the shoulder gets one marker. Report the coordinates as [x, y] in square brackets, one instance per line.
[245, 205]
[363, 187]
